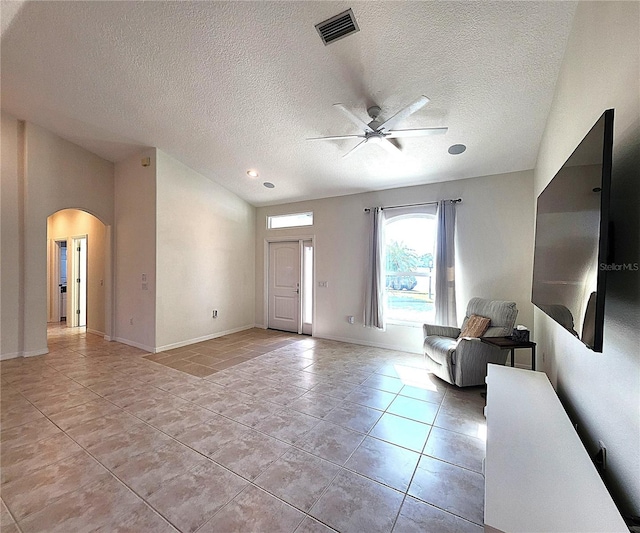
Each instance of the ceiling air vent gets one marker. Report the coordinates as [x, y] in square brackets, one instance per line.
[337, 27]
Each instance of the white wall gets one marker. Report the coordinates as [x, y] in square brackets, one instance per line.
[135, 251]
[53, 174]
[494, 256]
[601, 391]
[64, 225]
[205, 257]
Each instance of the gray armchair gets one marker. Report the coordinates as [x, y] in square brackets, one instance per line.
[463, 362]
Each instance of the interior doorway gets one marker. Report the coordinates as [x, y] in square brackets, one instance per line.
[290, 286]
[86, 243]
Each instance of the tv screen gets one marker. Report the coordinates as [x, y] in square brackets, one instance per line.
[570, 256]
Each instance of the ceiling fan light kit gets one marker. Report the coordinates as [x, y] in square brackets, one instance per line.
[379, 133]
[374, 112]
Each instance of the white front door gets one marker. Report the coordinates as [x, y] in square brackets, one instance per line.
[284, 286]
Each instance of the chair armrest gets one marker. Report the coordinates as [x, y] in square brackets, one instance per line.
[471, 359]
[474, 348]
[441, 331]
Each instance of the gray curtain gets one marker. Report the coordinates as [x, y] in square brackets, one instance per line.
[446, 265]
[374, 291]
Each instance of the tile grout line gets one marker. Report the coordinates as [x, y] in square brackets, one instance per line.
[15, 522]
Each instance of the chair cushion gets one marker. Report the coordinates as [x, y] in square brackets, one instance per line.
[502, 314]
[476, 326]
[440, 349]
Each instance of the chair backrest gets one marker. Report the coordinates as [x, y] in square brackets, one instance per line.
[502, 314]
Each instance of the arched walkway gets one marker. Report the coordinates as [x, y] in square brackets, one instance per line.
[83, 306]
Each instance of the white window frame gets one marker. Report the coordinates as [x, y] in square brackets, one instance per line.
[272, 218]
[389, 219]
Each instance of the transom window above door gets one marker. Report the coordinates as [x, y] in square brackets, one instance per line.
[292, 220]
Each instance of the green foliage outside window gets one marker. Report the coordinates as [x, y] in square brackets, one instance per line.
[401, 258]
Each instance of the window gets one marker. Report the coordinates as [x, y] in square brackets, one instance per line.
[289, 221]
[409, 268]
[307, 284]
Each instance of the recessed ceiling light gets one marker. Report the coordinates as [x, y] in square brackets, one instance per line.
[456, 149]
[252, 173]
[268, 185]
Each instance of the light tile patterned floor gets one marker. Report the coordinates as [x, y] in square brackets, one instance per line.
[206, 358]
[291, 434]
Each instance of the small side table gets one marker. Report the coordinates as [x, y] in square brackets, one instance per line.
[512, 345]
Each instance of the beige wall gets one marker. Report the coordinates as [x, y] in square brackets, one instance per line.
[194, 242]
[53, 174]
[601, 391]
[494, 252]
[64, 225]
[11, 258]
[205, 257]
[135, 251]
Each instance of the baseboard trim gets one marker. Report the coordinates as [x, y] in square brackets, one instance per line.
[367, 343]
[202, 339]
[96, 332]
[32, 353]
[128, 342]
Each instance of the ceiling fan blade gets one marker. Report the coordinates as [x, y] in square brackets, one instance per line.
[419, 132]
[389, 147]
[353, 118]
[334, 137]
[356, 147]
[404, 113]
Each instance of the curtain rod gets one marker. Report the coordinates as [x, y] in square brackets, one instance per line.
[367, 209]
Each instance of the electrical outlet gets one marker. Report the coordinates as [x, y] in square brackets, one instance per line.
[351, 319]
[131, 321]
[601, 457]
[214, 314]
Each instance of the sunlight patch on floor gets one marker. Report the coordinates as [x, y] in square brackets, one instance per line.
[416, 377]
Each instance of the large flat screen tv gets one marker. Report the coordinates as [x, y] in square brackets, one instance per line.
[572, 238]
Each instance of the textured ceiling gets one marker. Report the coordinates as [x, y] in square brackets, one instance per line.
[228, 86]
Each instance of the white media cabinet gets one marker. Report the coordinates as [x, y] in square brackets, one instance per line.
[538, 475]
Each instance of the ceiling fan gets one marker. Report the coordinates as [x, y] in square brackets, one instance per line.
[380, 132]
